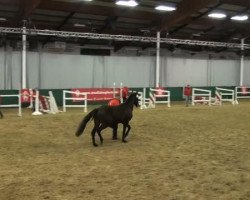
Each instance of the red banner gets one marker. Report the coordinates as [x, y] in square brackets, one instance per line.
[95, 94]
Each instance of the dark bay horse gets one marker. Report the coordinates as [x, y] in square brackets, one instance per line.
[110, 116]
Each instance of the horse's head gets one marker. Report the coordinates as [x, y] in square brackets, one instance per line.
[132, 99]
[136, 100]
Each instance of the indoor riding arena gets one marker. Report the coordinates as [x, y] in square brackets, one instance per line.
[124, 100]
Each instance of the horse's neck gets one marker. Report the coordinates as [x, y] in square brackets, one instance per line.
[130, 103]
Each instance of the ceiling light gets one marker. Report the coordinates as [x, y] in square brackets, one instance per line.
[80, 25]
[217, 15]
[165, 8]
[130, 3]
[2, 19]
[240, 17]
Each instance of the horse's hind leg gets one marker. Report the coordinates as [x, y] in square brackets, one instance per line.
[100, 128]
[100, 136]
[1, 114]
[93, 135]
[115, 127]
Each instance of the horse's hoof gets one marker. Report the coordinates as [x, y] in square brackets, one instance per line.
[115, 138]
[125, 141]
[95, 145]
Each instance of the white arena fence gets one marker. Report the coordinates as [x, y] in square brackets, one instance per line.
[142, 99]
[17, 105]
[242, 92]
[201, 96]
[93, 95]
[79, 96]
[224, 95]
[157, 96]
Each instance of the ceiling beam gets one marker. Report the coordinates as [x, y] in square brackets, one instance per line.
[229, 28]
[8, 2]
[194, 18]
[27, 7]
[76, 7]
[245, 3]
[110, 22]
[103, 10]
[209, 22]
[225, 24]
[66, 19]
[184, 11]
[238, 32]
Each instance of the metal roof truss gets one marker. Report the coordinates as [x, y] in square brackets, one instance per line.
[118, 37]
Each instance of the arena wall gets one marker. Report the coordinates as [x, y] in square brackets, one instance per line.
[59, 71]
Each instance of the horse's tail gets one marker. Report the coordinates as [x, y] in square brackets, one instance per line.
[84, 122]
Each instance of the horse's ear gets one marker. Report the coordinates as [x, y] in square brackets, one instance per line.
[135, 93]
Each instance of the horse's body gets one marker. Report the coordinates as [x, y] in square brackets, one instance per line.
[110, 116]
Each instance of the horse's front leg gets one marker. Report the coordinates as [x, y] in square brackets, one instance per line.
[129, 127]
[115, 127]
[125, 133]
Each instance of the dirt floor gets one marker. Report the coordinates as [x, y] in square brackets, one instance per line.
[177, 153]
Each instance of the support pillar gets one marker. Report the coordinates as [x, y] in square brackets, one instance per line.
[157, 71]
[24, 56]
[242, 62]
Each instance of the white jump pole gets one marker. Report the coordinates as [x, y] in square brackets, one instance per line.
[37, 112]
[20, 104]
[53, 104]
[31, 98]
[144, 97]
